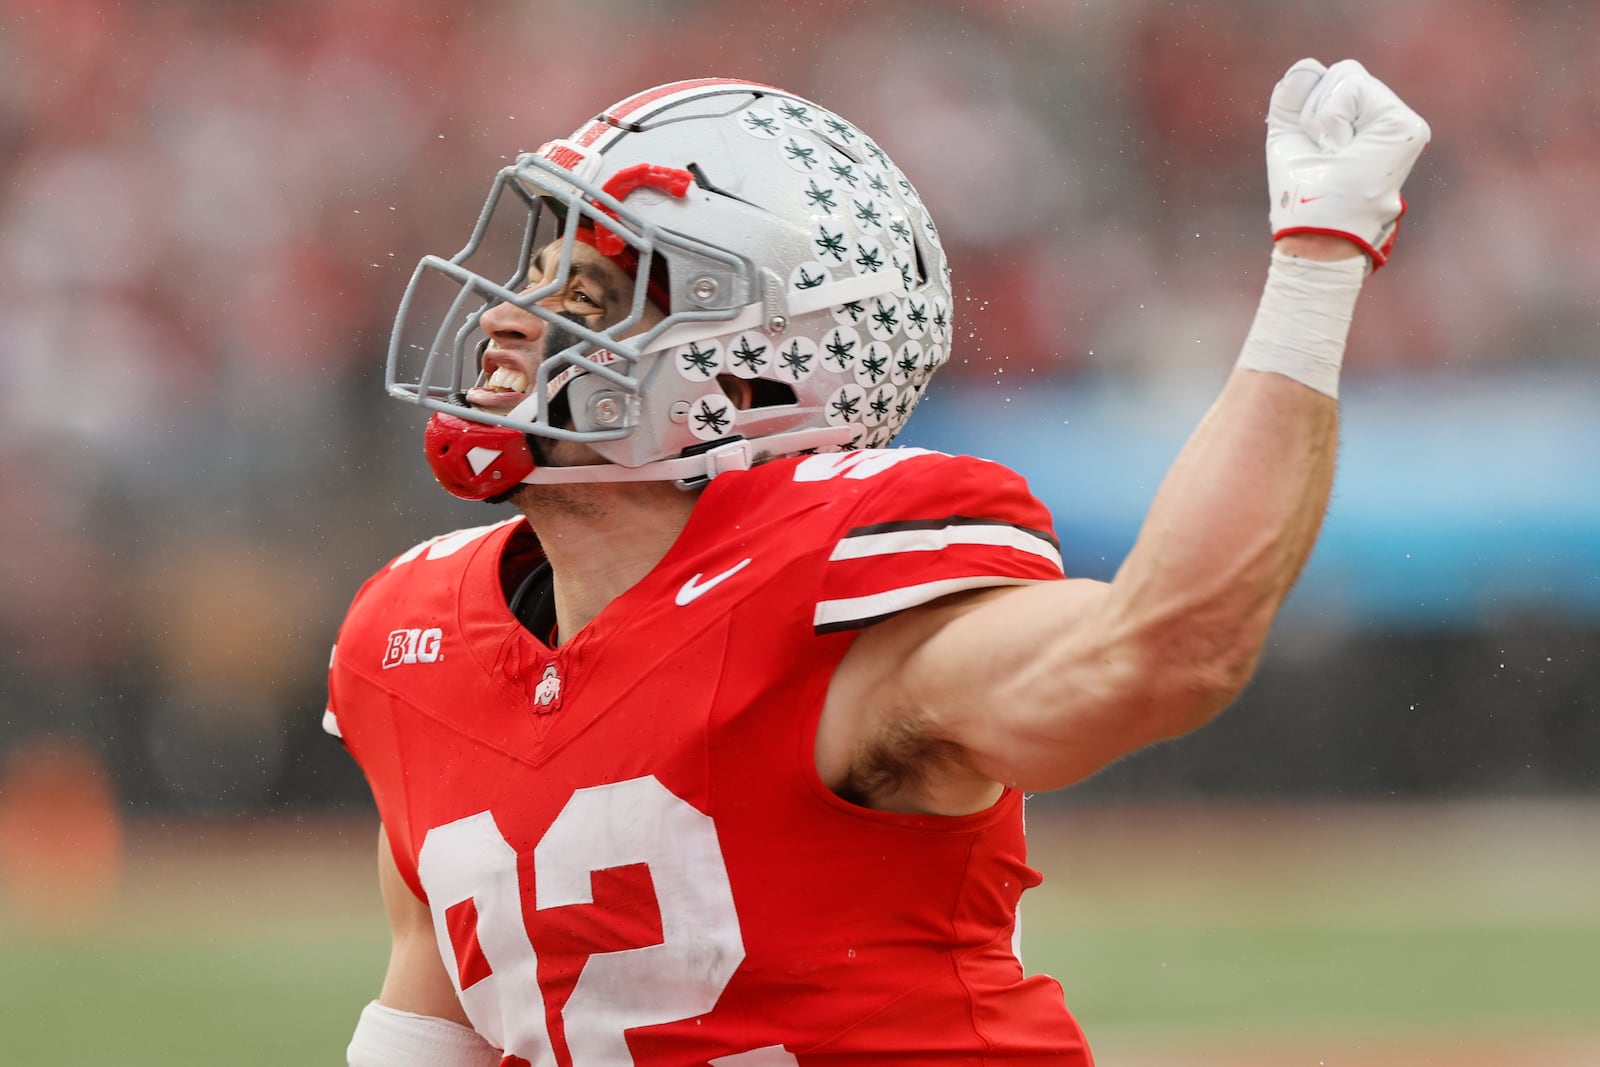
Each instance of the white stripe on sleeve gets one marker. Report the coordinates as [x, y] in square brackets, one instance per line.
[999, 535]
[859, 609]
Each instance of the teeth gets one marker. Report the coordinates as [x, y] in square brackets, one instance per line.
[508, 379]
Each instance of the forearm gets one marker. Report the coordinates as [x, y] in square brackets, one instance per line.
[1232, 525]
[1239, 512]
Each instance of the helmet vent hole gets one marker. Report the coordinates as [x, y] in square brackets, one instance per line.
[921, 264]
[770, 394]
[705, 183]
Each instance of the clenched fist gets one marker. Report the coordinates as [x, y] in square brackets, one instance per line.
[1339, 146]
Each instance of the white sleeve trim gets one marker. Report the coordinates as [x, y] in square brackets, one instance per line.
[840, 614]
[998, 535]
[330, 723]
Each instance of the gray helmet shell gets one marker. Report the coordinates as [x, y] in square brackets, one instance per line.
[799, 255]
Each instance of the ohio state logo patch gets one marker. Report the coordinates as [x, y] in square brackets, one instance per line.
[547, 695]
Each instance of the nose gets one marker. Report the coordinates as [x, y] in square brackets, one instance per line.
[508, 324]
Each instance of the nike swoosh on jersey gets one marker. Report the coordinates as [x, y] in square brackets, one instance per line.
[694, 588]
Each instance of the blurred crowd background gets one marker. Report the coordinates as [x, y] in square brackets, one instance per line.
[209, 209]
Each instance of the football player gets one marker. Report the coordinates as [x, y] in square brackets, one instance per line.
[714, 753]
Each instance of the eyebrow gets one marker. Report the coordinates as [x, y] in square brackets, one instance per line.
[579, 270]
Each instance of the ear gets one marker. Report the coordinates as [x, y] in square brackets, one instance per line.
[741, 391]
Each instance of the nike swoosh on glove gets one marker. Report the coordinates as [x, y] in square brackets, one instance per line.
[1340, 144]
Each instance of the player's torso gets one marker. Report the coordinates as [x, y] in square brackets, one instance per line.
[623, 841]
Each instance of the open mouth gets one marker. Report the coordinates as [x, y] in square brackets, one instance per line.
[501, 391]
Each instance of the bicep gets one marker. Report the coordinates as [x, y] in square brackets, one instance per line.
[416, 980]
[1039, 686]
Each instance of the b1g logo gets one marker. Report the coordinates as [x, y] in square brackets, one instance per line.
[412, 646]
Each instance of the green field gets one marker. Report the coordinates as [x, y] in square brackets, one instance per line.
[1459, 935]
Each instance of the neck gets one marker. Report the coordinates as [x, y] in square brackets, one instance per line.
[601, 540]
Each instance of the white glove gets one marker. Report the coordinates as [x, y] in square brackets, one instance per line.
[1339, 145]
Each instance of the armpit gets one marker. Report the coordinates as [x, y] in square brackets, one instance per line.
[905, 768]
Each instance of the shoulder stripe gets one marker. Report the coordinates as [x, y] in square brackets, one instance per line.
[855, 612]
[449, 544]
[934, 535]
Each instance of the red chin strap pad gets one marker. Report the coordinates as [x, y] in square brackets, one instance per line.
[475, 461]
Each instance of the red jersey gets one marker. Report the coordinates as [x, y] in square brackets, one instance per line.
[624, 843]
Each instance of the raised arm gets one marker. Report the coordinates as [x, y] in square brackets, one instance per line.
[1039, 686]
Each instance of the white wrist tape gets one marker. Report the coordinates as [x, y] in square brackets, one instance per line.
[1304, 319]
[387, 1037]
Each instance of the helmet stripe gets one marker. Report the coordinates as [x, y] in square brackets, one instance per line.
[609, 122]
[672, 90]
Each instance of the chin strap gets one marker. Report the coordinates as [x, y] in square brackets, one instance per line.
[692, 471]
[475, 461]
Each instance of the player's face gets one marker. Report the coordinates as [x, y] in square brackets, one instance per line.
[598, 294]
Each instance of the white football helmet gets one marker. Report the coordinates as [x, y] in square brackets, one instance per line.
[782, 244]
